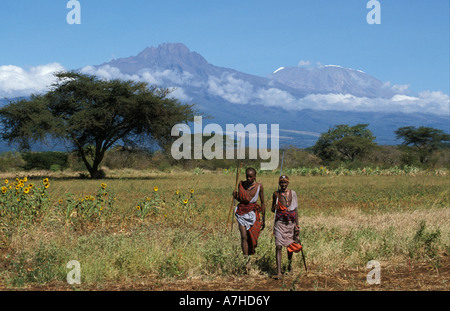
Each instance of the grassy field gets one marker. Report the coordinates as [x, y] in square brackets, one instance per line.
[150, 230]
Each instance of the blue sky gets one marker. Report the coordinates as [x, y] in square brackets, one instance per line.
[409, 47]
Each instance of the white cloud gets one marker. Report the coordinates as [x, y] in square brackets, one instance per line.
[146, 75]
[275, 98]
[399, 98]
[16, 81]
[231, 89]
[240, 92]
[180, 94]
[166, 76]
[400, 88]
[426, 102]
[304, 63]
[108, 72]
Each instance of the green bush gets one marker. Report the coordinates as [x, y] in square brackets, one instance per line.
[425, 243]
[10, 160]
[44, 160]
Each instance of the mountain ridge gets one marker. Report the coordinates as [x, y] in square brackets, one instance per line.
[178, 57]
[303, 101]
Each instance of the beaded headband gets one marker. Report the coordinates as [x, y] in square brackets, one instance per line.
[284, 177]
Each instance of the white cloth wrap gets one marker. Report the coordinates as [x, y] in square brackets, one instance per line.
[247, 220]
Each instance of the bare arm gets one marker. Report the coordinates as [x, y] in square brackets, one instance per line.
[261, 197]
[263, 206]
[274, 202]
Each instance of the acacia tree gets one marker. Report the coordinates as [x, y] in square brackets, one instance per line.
[423, 140]
[344, 142]
[93, 114]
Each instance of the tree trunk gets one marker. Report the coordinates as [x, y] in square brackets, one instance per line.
[93, 169]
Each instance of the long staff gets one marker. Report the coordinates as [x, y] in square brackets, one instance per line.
[278, 191]
[303, 256]
[238, 171]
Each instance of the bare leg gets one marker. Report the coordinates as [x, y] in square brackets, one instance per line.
[244, 241]
[289, 255]
[279, 257]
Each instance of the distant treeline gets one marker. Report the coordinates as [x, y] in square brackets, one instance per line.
[122, 158]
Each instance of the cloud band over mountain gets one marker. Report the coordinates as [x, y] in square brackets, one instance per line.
[238, 91]
[231, 87]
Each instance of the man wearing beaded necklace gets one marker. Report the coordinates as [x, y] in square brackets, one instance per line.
[285, 229]
[248, 212]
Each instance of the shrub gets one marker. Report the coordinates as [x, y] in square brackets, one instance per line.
[425, 243]
[11, 160]
[44, 160]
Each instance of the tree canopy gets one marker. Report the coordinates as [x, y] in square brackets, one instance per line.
[93, 114]
[344, 142]
[424, 140]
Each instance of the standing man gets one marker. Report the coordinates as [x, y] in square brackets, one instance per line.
[248, 212]
[285, 228]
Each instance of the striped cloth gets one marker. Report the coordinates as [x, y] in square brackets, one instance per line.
[247, 215]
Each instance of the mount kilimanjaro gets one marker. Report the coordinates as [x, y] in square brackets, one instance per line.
[303, 101]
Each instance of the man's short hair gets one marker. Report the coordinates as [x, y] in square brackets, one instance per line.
[250, 169]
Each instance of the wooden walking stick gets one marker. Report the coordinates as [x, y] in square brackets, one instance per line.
[238, 171]
[303, 256]
[278, 190]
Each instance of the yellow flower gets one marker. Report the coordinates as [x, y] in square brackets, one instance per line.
[185, 201]
[46, 186]
[17, 187]
[177, 192]
[138, 207]
[30, 186]
[25, 179]
[4, 189]
[192, 191]
[45, 181]
[155, 189]
[6, 181]
[103, 185]
[60, 201]
[26, 190]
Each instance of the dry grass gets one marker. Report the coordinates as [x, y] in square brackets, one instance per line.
[345, 222]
